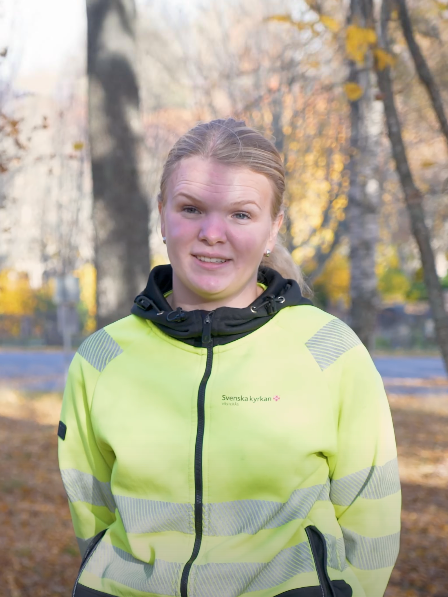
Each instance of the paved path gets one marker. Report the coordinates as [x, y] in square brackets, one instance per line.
[413, 375]
[44, 370]
[34, 370]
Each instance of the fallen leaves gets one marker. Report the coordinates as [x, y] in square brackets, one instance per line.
[421, 424]
[38, 549]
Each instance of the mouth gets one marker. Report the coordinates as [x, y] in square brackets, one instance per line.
[214, 260]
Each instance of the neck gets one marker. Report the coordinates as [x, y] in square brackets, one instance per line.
[189, 301]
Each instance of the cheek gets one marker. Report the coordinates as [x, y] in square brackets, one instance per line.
[250, 242]
[180, 229]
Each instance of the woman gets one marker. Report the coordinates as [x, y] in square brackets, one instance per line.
[228, 438]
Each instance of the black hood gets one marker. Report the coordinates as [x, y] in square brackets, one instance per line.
[228, 323]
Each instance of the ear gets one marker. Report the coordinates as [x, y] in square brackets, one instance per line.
[162, 218]
[276, 225]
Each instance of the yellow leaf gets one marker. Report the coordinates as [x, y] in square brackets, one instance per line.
[383, 58]
[329, 23]
[280, 18]
[357, 42]
[287, 19]
[427, 164]
[18, 298]
[78, 146]
[87, 284]
[370, 36]
[353, 91]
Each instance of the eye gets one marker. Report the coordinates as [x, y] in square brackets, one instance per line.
[189, 209]
[242, 215]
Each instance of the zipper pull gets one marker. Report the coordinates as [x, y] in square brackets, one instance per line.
[207, 329]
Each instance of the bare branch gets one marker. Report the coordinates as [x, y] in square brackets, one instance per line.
[422, 67]
[412, 195]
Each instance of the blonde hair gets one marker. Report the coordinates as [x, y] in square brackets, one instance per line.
[233, 143]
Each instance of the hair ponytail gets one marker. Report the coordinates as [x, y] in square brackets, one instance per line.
[281, 260]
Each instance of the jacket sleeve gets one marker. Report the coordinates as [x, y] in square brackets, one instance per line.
[85, 470]
[364, 480]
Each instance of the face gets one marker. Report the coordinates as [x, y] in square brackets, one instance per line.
[217, 223]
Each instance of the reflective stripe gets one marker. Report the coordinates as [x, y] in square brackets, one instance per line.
[82, 487]
[335, 552]
[83, 544]
[99, 349]
[150, 516]
[115, 564]
[231, 580]
[223, 579]
[220, 519]
[371, 553]
[331, 341]
[251, 516]
[371, 483]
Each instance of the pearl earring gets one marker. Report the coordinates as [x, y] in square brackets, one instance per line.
[267, 252]
[164, 240]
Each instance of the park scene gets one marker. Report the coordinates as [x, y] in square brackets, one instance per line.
[93, 95]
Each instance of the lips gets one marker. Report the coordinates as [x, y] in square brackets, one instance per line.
[211, 259]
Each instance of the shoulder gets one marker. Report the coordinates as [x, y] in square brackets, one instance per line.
[307, 320]
[326, 337]
[108, 343]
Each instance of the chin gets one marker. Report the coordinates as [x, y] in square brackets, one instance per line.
[210, 292]
[209, 288]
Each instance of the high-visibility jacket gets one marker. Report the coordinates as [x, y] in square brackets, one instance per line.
[237, 452]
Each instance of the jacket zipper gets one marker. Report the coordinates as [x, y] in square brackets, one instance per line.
[324, 580]
[206, 343]
[89, 552]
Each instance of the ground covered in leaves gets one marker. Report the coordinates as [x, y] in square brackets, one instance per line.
[38, 552]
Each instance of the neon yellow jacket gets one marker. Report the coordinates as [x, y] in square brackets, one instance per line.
[261, 465]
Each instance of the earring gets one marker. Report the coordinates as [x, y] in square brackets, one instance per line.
[267, 252]
[164, 240]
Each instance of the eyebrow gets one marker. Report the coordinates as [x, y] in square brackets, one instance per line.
[239, 203]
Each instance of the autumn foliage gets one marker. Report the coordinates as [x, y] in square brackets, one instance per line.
[38, 549]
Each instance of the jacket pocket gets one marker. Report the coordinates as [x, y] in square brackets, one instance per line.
[318, 545]
[340, 587]
[82, 591]
[86, 557]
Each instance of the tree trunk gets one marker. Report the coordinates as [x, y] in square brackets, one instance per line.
[422, 67]
[413, 197]
[120, 212]
[363, 196]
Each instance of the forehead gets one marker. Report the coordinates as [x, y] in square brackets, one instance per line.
[208, 179]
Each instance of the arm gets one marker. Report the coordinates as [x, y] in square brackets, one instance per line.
[85, 471]
[365, 486]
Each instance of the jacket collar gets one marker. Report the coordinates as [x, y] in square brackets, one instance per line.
[228, 323]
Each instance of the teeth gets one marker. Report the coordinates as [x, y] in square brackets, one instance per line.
[211, 260]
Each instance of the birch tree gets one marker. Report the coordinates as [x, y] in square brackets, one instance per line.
[364, 197]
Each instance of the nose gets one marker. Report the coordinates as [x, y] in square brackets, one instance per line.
[213, 230]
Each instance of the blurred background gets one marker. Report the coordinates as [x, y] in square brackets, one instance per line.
[354, 94]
